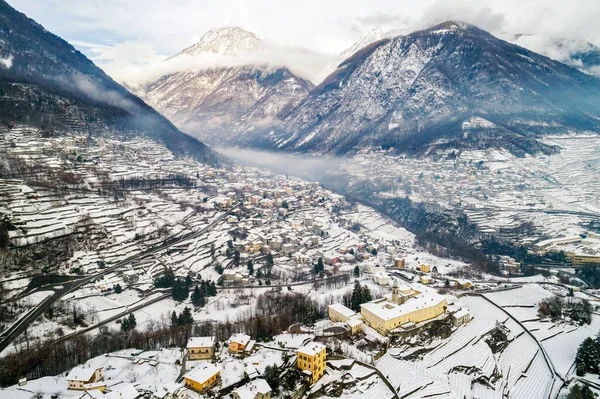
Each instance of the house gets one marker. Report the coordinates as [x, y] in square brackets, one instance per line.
[99, 386]
[79, 376]
[399, 263]
[311, 359]
[425, 280]
[126, 391]
[381, 278]
[202, 376]
[355, 324]
[425, 268]
[201, 348]
[340, 313]
[170, 390]
[238, 343]
[461, 317]
[464, 284]
[257, 389]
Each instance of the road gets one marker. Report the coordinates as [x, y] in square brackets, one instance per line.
[21, 325]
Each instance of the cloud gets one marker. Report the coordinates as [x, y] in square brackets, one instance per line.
[109, 97]
[305, 63]
[470, 11]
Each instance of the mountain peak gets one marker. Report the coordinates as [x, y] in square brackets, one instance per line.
[225, 40]
[451, 27]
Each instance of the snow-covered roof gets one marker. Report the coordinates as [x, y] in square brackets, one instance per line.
[202, 372]
[241, 339]
[244, 393]
[201, 342]
[167, 389]
[127, 391]
[387, 310]
[461, 313]
[92, 394]
[81, 374]
[311, 349]
[253, 388]
[354, 322]
[343, 310]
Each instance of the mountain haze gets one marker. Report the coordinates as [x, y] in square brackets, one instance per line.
[45, 81]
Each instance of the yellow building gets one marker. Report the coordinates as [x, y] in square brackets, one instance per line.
[202, 377]
[238, 343]
[580, 260]
[80, 376]
[201, 348]
[405, 306]
[340, 313]
[311, 358]
[425, 280]
[425, 268]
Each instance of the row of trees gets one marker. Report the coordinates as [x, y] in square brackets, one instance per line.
[557, 308]
[199, 295]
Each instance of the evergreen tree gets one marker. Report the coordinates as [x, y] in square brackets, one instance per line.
[185, 318]
[588, 357]
[132, 323]
[577, 392]
[174, 320]
[356, 296]
[118, 289]
[236, 258]
[166, 280]
[356, 271]
[319, 267]
[124, 324]
[269, 260]
[365, 295]
[198, 298]
[250, 267]
[271, 375]
[180, 290]
[213, 289]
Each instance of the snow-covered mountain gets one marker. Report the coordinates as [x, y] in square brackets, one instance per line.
[579, 54]
[217, 104]
[44, 81]
[371, 37]
[448, 85]
[225, 40]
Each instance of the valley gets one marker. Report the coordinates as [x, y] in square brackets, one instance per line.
[414, 217]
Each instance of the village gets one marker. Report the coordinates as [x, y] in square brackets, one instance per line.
[387, 319]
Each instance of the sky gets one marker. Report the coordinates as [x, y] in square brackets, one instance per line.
[129, 38]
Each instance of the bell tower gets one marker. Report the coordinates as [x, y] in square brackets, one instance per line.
[396, 293]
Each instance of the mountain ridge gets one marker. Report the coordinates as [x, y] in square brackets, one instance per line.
[416, 89]
[47, 65]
